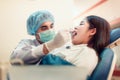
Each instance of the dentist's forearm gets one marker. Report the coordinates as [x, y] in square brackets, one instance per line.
[45, 50]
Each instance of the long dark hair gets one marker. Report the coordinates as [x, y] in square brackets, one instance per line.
[101, 39]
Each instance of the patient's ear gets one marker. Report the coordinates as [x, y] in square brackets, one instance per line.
[92, 31]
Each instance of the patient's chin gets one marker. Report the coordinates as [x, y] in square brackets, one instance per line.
[74, 42]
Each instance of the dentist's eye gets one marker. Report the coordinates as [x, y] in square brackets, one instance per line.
[44, 28]
[52, 25]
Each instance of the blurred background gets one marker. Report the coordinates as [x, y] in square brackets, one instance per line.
[14, 13]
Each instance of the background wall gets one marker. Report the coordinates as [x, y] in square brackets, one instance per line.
[108, 9]
[13, 15]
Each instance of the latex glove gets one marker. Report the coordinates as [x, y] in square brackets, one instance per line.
[60, 39]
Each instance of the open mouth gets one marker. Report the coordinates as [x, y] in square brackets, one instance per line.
[74, 34]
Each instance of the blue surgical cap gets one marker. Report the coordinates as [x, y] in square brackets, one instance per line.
[36, 19]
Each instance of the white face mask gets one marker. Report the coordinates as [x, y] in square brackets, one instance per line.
[47, 35]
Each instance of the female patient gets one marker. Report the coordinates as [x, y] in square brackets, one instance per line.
[89, 38]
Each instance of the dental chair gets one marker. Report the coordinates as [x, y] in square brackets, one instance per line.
[114, 35]
[105, 67]
[115, 46]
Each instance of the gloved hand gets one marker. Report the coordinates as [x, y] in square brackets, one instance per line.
[60, 39]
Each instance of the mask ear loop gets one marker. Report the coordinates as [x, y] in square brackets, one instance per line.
[37, 34]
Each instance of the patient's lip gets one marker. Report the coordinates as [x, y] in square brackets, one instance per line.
[73, 33]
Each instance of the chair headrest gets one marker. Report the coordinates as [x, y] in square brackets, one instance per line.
[114, 34]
